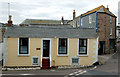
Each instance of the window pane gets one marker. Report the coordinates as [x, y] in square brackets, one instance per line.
[23, 49]
[112, 44]
[35, 60]
[82, 49]
[23, 46]
[85, 42]
[82, 46]
[62, 49]
[62, 46]
[75, 60]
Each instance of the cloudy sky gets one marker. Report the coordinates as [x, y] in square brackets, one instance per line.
[50, 9]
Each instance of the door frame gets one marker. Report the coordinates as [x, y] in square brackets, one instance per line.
[42, 49]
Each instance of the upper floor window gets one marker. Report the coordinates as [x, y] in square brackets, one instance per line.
[110, 31]
[90, 19]
[81, 22]
[74, 23]
[62, 46]
[77, 23]
[82, 46]
[23, 45]
[110, 19]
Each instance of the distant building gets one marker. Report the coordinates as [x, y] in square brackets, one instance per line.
[118, 33]
[119, 12]
[104, 23]
[28, 22]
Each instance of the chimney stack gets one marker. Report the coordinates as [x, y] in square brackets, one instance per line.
[62, 20]
[74, 14]
[107, 7]
[9, 21]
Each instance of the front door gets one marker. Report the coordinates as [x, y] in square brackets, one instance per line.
[102, 48]
[45, 57]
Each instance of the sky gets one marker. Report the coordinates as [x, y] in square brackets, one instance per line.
[50, 9]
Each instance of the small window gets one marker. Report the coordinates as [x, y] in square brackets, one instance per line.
[35, 61]
[62, 49]
[111, 31]
[90, 19]
[82, 46]
[23, 46]
[75, 61]
[110, 19]
[81, 22]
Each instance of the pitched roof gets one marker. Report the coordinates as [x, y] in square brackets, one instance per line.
[42, 21]
[98, 9]
[52, 25]
[47, 32]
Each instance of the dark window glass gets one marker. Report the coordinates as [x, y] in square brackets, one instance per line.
[82, 46]
[23, 46]
[62, 46]
[75, 60]
[35, 60]
[112, 44]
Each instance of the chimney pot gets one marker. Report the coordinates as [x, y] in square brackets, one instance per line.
[107, 7]
[9, 21]
[62, 20]
[74, 14]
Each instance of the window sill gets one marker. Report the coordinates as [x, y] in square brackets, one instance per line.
[24, 55]
[83, 55]
[62, 55]
[35, 64]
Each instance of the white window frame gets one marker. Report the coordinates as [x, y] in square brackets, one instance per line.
[87, 48]
[34, 64]
[90, 19]
[110, 31]
[67, 48]
[28, 48]
[76, 58]
[81, 22]
[74, 23]
[110, 19]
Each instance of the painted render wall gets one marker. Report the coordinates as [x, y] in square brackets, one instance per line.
[14, 60]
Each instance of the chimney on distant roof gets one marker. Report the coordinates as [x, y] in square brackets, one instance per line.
[74, 14]
[107, 7]
[9, 21]
[62, 20]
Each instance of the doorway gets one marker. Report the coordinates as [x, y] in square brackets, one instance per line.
[45, 54]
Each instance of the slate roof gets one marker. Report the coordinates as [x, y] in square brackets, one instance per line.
[98, 9]
[52, 25]
[47, 32]
[42, 21]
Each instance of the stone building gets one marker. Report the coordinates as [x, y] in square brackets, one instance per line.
[104, 23]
